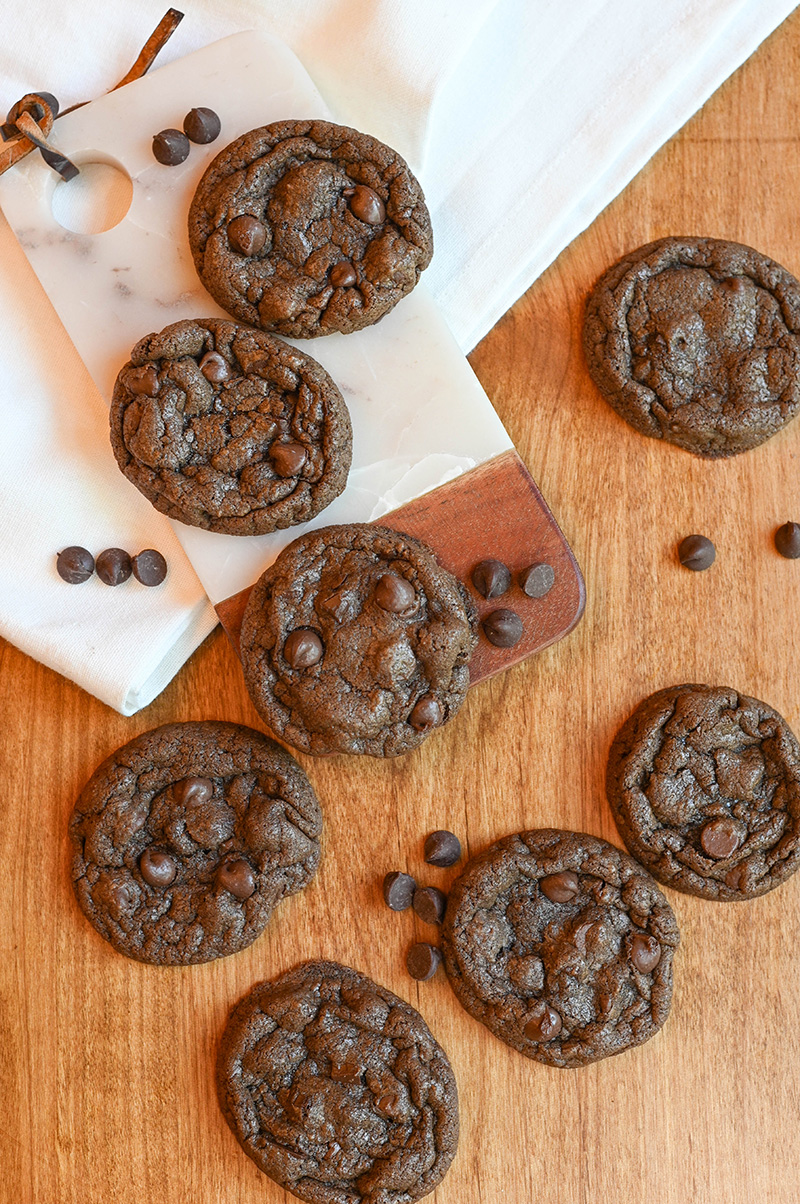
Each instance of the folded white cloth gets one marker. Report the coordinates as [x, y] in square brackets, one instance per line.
[523, 119]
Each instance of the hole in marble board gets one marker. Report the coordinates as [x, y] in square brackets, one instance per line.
[96, 199]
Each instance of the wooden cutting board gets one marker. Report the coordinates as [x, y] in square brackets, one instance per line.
[106, 1065]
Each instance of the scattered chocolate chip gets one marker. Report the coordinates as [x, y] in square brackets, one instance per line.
[201, 125]
[561, 887]
[343, 275]
[366, 205]
[734, 283]
[193, 792]
[303, 648]
[545, 1026]
[503, 628]
[287, 459]
[491, 578]
[425, 714]
[398, 890]
[395, 594]
[645, 952]
[720, 837]
[121, 895]
[75, 565]
[423, 961]
[149, 567]
[171, 147]
[247, 235]
[537, 580]
[157, 868]
[113, 566]
[142, 381]
[237, 877]
[787, 540]
[430, 903]
[215, 368]
[442, 848]
[695, 552]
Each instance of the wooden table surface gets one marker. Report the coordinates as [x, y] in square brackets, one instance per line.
[106, 1065]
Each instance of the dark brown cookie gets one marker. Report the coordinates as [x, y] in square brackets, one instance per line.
[704, 784]
[561, 945]
[356, 640]
[337, 1090]
[305, 227]
[229, 429]
[697, 341]
[186, 839]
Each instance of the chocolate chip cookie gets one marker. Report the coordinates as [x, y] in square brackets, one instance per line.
[305, 227]
[226, 428]
[704, 784]
[336, 1088]
[186, 839]
[561, 945]
[697, 341]
[355, 640]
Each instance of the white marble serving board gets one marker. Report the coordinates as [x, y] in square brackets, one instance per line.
[420, 417]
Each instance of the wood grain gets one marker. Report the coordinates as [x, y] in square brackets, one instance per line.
[106, 1065]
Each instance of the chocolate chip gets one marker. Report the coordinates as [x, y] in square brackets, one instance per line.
[121, 895]
[75, 565]
[398, 890]
[503, 628]
[113, 566]
[537, 580]
[720, 837]
[303, 648]
[491, 578]
[787, 540]
[442, 848]
[343, 275]
[430, 903]
[142, 380]
[425, 714]
[395, 594]
[193, 792]
[171, 147]
[546, 1025]
[695, 552]
[287, 458]
[237, 877]
[645, 952]
[247, 234]
[215, 368]
[366, 205]
[423, 961]
[149, 567]
[561, 887]
[157, 867]
[201, 125]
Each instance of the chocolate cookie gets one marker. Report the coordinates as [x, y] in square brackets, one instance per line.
[357, 641]
[305, 227]
[704, 784]
[186, 839]
[337, 1090]
[697, 341]
[226, 428]
[561, 945]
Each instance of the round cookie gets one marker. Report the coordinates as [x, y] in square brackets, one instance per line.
[561, 945]
[306, 227]
[704, 784]
[336, 1088]
[697, 341]
[355, 640]
[229, 429]
[185, 839]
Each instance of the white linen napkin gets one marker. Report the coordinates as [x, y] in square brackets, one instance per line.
[523, 119]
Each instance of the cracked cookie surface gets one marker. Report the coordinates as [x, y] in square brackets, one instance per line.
[306, 227]
[697, 341]
[185, 839]
[561, 945]
[704, 784]
[336, 1088]
[229, 429]
[355, 640]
